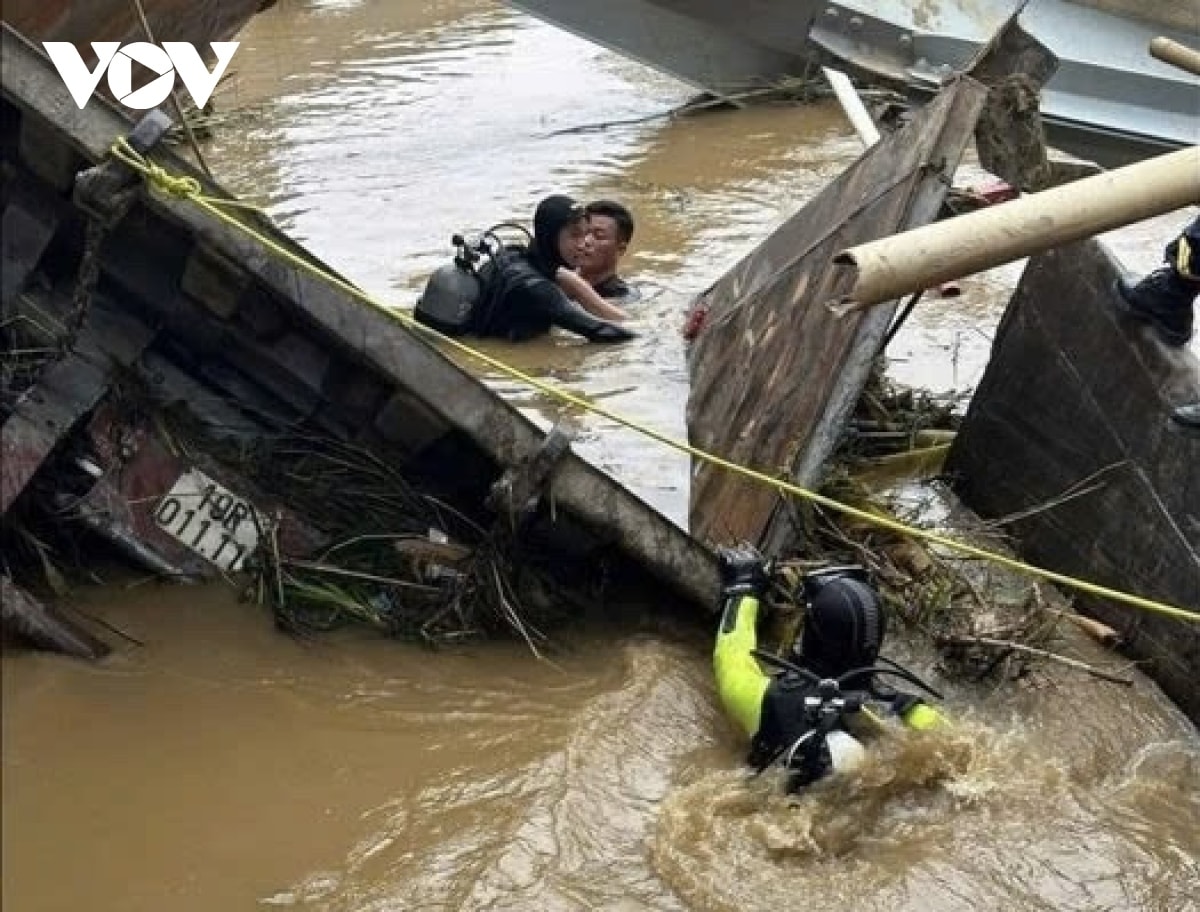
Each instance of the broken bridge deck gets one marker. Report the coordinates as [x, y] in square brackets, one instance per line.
[775, 371]
[246, 343]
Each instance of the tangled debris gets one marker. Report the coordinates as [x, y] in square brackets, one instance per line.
[989, 623]
[345, 537]
[393, 556]
[896, 429]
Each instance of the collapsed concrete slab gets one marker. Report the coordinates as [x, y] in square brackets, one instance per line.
[1067, 434]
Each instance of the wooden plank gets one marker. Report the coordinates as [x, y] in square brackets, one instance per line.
[1075, 391]
[775, 372]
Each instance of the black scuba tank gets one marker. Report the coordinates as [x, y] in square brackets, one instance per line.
[452, 294]
[459, 297]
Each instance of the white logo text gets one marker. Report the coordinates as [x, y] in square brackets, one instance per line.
[173, 57]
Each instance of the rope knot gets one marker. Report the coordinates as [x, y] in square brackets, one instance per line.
[182, 187]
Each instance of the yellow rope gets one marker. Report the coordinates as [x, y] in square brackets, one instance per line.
[189, 188]
[187, 127]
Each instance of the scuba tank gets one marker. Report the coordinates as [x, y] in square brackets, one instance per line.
[454, 294]
[846, 752]
[821, 745]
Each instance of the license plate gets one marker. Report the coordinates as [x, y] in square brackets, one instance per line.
[210, 520]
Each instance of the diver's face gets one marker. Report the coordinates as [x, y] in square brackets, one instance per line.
[574, 242]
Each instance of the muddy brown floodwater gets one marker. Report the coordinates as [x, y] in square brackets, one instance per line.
[223, 766]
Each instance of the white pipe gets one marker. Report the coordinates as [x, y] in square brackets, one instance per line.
[855, 110]
[925, 257]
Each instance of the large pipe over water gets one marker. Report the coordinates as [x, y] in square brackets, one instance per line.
[1176, 54]
[924, 257]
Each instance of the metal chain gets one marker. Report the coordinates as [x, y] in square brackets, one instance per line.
[85, 282]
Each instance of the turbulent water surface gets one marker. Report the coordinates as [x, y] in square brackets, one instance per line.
[222, 766]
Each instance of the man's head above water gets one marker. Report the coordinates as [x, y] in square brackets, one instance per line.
[560, 230]
[610, 229]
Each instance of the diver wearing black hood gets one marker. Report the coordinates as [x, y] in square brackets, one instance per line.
[552, 216]
[526, 300]
[844, 628]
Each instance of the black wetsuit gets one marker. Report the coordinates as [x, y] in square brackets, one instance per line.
[771, 708]
[522, 303]
[616, 288]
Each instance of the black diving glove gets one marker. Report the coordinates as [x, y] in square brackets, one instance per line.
[743, 571]
[565, 313]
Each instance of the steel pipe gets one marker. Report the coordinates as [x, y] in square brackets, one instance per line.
[926, 257]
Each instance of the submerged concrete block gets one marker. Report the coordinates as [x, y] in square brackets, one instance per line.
[300, 356]
[408, 423]
[356, 395]
[146, 259]
[43, 154]
[262, 313]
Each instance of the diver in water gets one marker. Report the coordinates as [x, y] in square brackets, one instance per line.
[798, 717]
[517, 292]
[533, 290]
